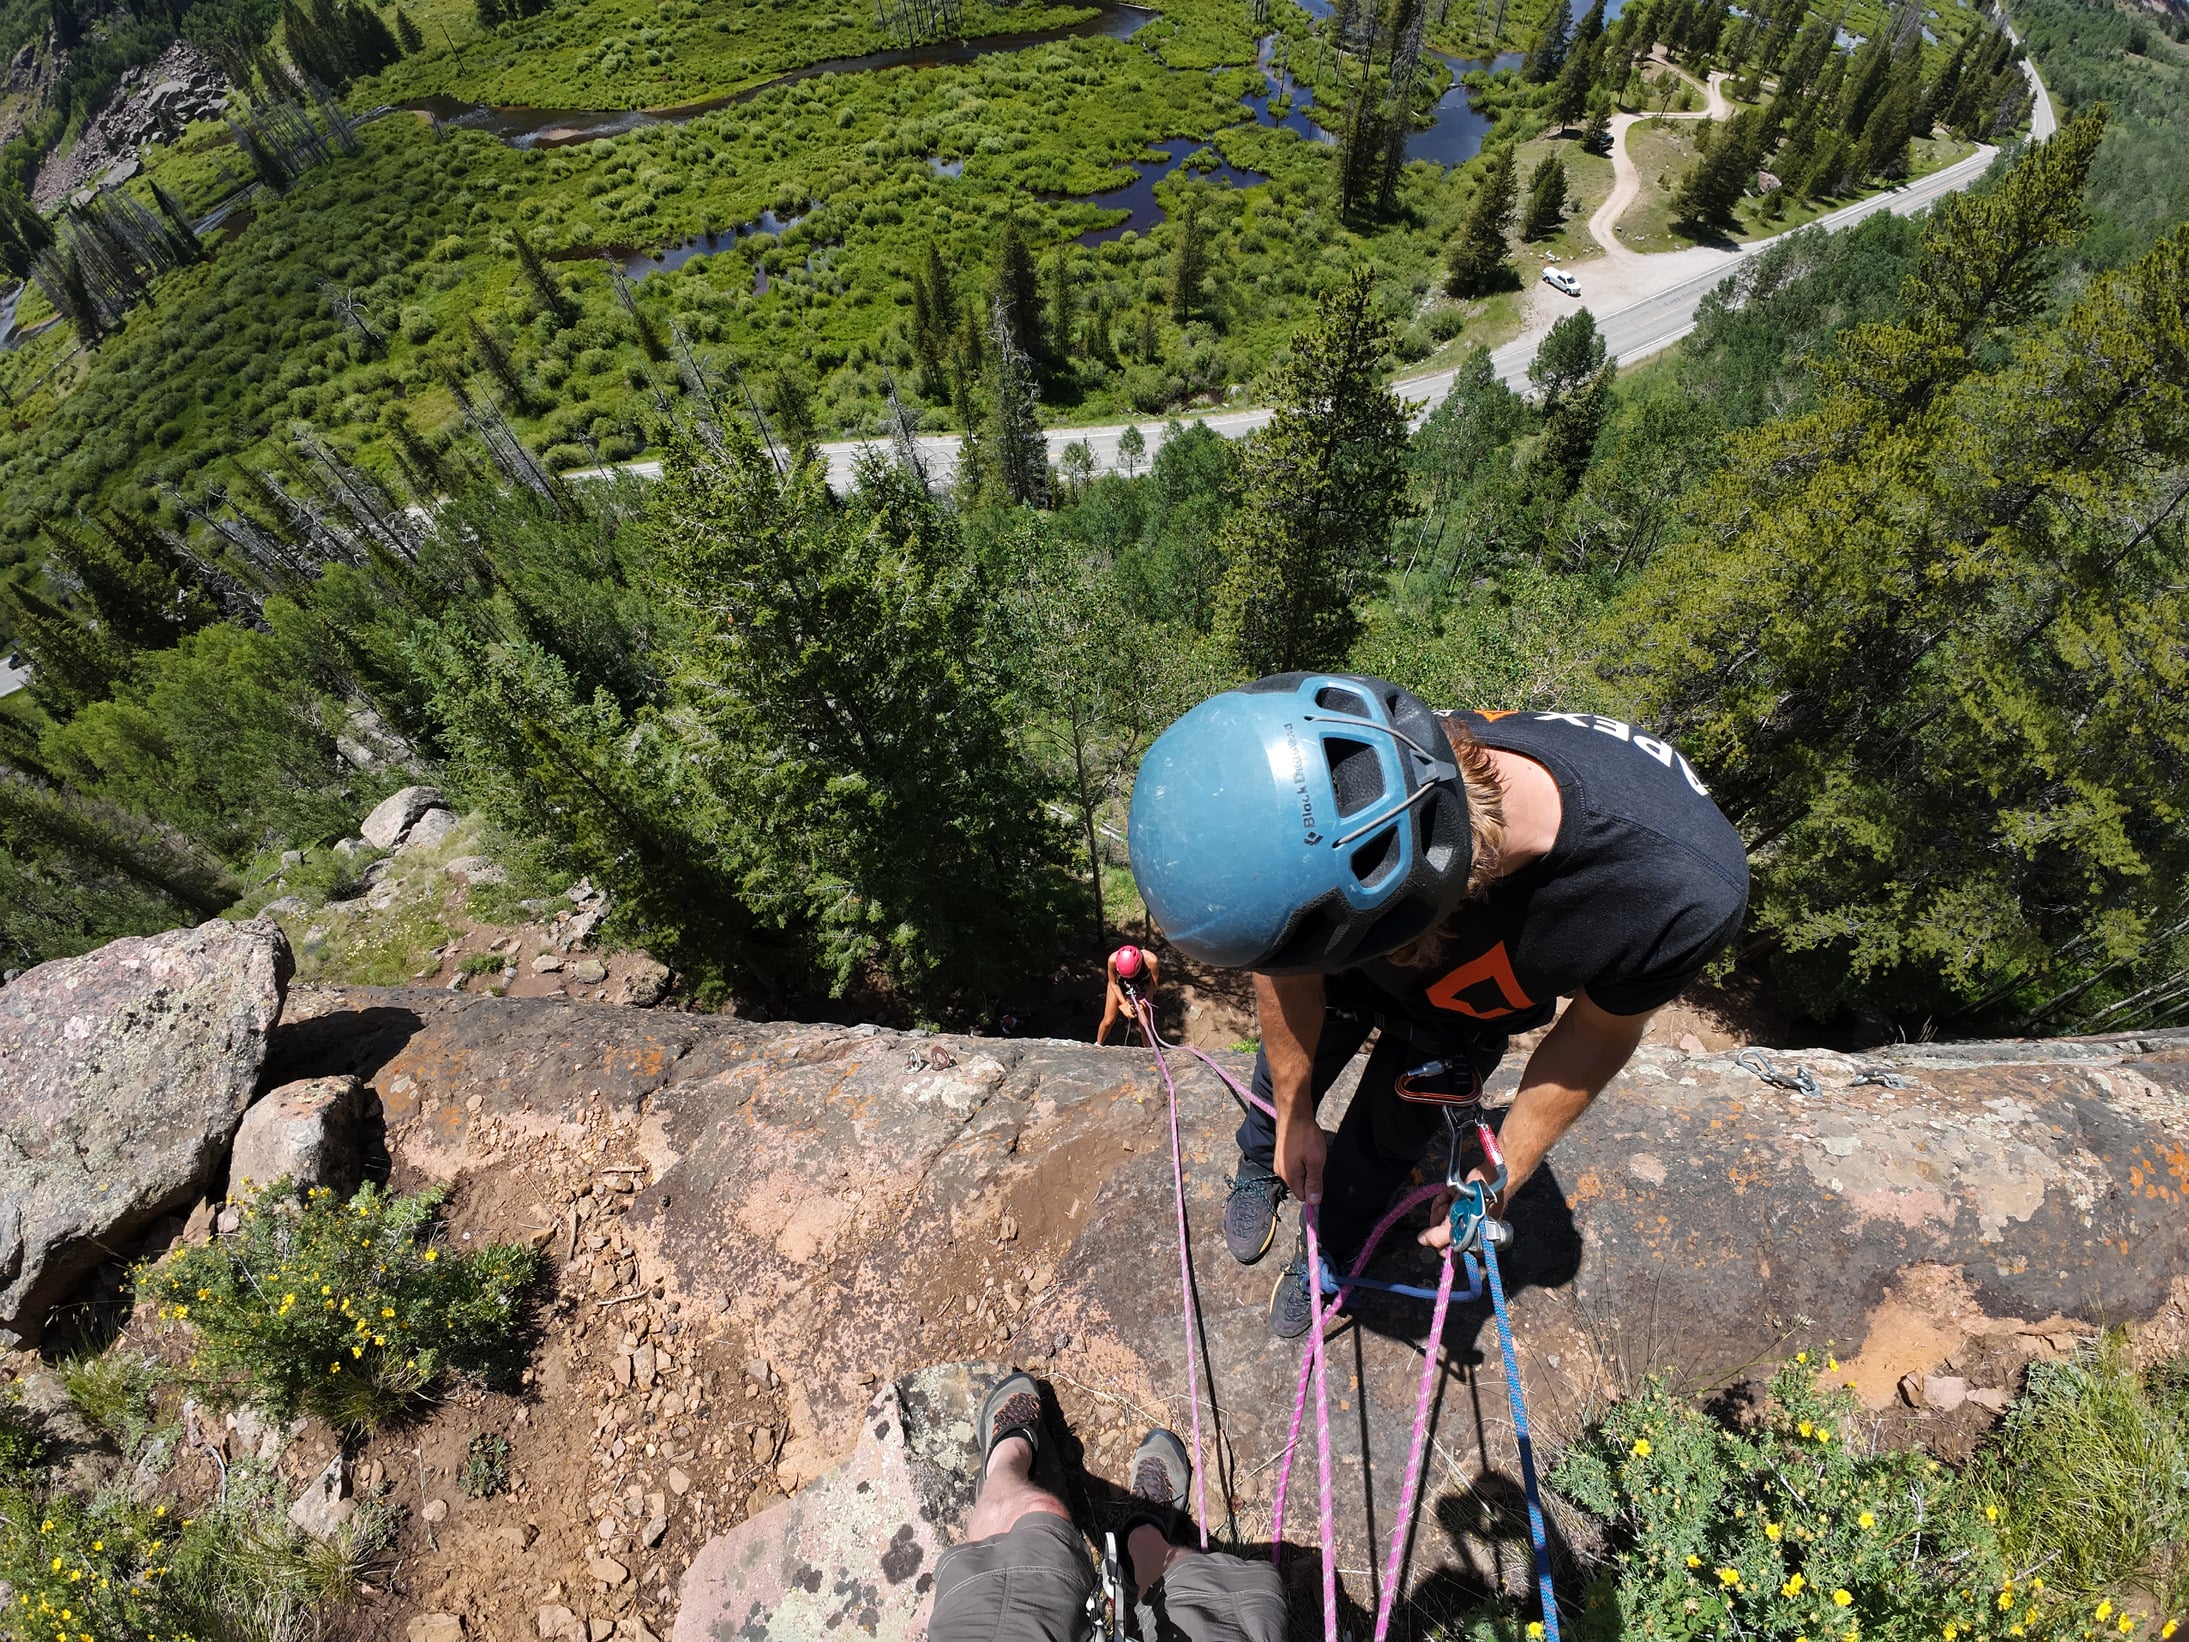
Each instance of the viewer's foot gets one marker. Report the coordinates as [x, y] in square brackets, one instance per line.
[1161, 1471]
[1290, 1314]
[1012, 1408]
[1250, 1213]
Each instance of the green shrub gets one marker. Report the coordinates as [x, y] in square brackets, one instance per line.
[2089, 1475]
[348, 1311]
[486, 1465]
[114, 1392]
[482, 963]
[109, 1567]
[1785, 1530]
[21, 1445]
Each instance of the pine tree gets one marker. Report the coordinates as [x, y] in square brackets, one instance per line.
[1911, 639]
[1013, 283]
[494, 360]
[1189, 257]
[1062, 320]
[1021, 454]
[182, 233]
[1570, 97]
[1591, 27]
[72, 664]
[1546, 212]
[550, 295]
[1570, 429]
[1321, 485]
[1548, 55]
[1596, 130]
[1714, 184]
[407, 35]
[1571, 352]
[1475, 260]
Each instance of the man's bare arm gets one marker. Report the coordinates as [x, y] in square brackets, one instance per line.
[1569, 1068]
[1291, 1011]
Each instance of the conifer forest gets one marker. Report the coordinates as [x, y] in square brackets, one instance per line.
[653, 422]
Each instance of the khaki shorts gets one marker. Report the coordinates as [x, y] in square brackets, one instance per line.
[1032, 1585]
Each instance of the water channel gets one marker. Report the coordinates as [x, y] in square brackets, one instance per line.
[1454, 136]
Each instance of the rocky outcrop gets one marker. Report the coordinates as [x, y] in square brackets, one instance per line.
[395, 815]
[307, 1133]
[154, 103]
[847, 1206]
[123, 1075]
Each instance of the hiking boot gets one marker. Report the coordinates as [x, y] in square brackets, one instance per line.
[1250, 1213]
[1290, 1314]
[1012, 1408]
[1160, 1474]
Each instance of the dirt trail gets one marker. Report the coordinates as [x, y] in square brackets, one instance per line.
[1620, 274]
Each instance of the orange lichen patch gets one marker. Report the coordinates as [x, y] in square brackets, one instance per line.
[1585, 1188]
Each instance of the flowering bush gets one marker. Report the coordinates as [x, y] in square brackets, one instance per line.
[1791, 1532]
[350, 1311]
[81, 1570]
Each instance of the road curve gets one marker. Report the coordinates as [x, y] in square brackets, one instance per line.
[1632, 331]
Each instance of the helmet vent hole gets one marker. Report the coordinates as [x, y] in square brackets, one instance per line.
[1355, 773]
[1333, 700]
[1376, 857]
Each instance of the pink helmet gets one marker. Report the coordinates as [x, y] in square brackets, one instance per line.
[1127, 959]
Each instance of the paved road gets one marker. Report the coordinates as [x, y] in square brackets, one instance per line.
[1632, 331]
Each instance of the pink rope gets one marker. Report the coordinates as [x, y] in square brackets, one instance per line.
[1314, 1365]
[1417, 1454]
[1185, 1282]
[1316, 1355]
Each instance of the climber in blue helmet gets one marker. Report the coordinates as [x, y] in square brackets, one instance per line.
[1440, 880]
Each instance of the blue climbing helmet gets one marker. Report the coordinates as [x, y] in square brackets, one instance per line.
[1300, 824]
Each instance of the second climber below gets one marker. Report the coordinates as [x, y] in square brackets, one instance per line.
[1131, 968]
[1441, 879]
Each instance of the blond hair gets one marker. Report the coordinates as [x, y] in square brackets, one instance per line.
[1486, 824]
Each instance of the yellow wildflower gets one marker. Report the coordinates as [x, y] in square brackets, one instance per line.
[1694, 1561]
[1865, 1520]
[1843, 1598]
[1729, 1576]
[1805, 1428]
[1793, 1587]
[1772, 1531]
[1535, 1628]
[1641, 1448]
[2105, 1609]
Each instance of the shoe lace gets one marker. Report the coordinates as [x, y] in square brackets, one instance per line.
[1259, 1182]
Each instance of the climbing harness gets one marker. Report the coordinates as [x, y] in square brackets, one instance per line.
[1803, 1081]
[1476, 1236]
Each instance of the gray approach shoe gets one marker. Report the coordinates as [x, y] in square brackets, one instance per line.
[1161, 1473]
[1012, 1408]
[1250, 1212]
[1290, 1315]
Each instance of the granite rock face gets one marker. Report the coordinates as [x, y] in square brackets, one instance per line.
[123, 1076]
[854, 1205]
[394, 816]
[307, 1131]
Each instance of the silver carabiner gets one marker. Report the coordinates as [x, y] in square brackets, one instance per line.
[1803, 1081]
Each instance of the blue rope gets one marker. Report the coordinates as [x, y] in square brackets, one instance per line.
[1536, 1530]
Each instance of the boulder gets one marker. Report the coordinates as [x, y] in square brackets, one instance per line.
[434, 1627]
[394, 816]
[321, 1509]
[833, 1204]
[872, 1528]
[309, 1131]
[430, 831]
[645, 982]
[123, 1076]
[475, 869]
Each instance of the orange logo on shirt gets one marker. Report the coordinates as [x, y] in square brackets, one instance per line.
[1493, 714]
[1493, 968]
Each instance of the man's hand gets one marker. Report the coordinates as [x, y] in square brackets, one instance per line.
[1576, 1058]
[1290, 1008]
[1301, 1148]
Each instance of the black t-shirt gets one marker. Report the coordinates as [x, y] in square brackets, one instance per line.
[1646, 882]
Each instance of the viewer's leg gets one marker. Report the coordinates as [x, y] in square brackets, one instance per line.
[1022, 1575]
[1187, 1595]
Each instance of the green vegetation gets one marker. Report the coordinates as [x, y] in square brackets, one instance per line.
[2072, 1522]
[351, 1311]
[486, 1465]
[114, 1392]
[232, 1568]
